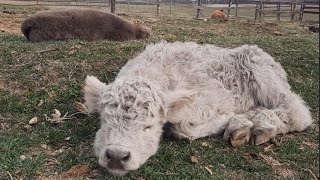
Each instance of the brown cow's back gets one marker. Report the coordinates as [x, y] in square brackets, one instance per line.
[79, 24]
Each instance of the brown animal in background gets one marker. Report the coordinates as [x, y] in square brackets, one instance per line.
[219, 15]
[81, 24]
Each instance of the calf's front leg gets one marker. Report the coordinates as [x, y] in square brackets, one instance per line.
[238, 130]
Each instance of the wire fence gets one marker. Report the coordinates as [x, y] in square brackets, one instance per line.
[188, 9]
[178, 8]
[56, 2]
[172, 8]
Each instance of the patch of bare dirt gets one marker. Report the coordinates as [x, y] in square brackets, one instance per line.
[10, 23]
[12, 86]
[77, 172]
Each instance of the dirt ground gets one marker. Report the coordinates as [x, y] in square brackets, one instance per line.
[10, 22]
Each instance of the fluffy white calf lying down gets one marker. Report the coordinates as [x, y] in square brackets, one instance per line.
[200, 90]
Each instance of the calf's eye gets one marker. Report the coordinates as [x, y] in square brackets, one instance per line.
[113, 105]
[147, 128]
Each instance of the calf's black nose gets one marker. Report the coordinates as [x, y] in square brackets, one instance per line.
[117, 158]
[118, 155]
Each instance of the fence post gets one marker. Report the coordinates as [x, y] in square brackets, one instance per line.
[293, 11]
[158, 7]
[301, 11]
[278, 10]
[229, 8]
[170, 6]
[256, 12]
[237, 4]
[199, 9]
[261, 8]
[113, 6]
[128, 4]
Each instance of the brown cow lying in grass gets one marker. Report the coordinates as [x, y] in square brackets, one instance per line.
[219, 15]
[81, 24]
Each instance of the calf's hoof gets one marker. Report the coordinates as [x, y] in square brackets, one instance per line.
[240, 137]
[238, 131]
[261, 137]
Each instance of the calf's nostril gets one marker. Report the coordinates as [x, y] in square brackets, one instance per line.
[108, 154]
[126, 157]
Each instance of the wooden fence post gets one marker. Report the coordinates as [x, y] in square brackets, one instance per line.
[199, 9]
[237, 4]
[301, 11]
[261, 8]
[256, 12]
[293, 11]
[158, 7]
[229, 8]
[128, 4]
[113, 6]
[278, 10]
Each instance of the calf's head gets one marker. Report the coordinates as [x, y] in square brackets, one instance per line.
[132, 116]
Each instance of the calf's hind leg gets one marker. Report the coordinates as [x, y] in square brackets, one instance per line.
[259, 126]
[267, 125]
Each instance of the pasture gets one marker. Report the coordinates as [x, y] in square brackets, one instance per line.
[36, 78]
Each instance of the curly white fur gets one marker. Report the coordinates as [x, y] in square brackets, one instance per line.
[201, 90]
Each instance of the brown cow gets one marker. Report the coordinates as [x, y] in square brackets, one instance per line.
[219, 15]
[81, 24]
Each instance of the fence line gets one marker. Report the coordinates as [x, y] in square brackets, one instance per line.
[288, 8]
[257, 9]
[102, 3]
[312, 7]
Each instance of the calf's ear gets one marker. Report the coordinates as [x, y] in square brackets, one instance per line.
[176, 102]
[180, 103]
[93, 91]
